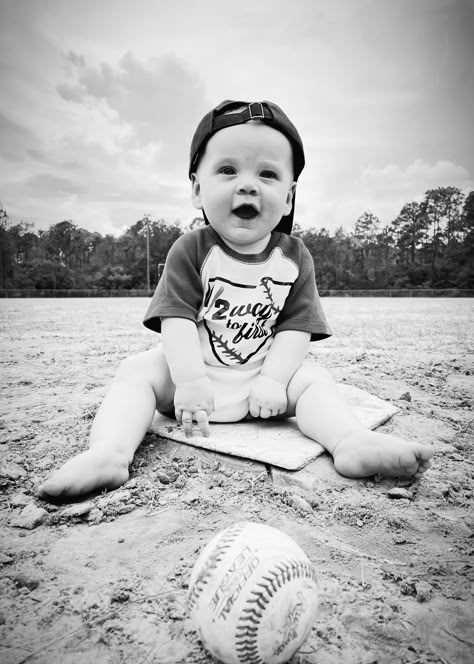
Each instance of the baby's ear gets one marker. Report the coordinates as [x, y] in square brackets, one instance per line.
[289, 198]
[196, 192]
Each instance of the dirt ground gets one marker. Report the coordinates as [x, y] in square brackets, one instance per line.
[105, 580]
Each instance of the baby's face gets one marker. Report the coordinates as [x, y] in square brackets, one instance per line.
[244, 183]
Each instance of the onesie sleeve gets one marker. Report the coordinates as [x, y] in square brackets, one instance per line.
[179, 291]
[303, 310]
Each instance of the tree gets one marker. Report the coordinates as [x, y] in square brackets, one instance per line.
[429, 244]
[113, 278]
[44, 274]
[17, 246]
[61, 241]
[366, 227]
[443, 213]
[197, 222]
[366, 230]
[384, 258]
[5, 245]
[467, 216]
[319, 244]
[343, 259]
[132, 248]
[462, 256]
[409, 232]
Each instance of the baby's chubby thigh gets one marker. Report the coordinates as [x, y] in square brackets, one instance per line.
[308, 375]
[231, 392]
[150, 367]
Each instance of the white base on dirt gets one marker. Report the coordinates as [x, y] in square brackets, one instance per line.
[252, 595]
[275, 442]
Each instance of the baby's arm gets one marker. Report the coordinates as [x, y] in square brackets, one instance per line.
[194, 398]
[268, 394]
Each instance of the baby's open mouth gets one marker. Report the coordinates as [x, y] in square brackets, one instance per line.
[245, 211]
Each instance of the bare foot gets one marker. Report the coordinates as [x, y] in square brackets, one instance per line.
[365, 453]
[89, 471]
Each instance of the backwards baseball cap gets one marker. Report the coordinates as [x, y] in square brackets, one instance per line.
[230, 113]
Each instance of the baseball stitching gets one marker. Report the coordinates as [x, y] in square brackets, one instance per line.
[246, 637]
[210, 564]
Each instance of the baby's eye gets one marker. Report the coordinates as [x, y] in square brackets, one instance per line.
[268, 174]
[227, 170]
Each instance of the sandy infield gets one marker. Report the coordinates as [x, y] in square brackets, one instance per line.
[105, 580]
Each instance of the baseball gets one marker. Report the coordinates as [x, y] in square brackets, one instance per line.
[252, 595]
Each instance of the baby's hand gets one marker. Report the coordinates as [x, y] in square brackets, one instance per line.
[194, 400]
[267, 397]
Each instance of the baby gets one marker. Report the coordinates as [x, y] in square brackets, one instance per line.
[237, 307]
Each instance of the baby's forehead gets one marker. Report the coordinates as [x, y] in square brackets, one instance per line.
[254, 134]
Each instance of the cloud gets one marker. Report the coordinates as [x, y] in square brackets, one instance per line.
[113, 147]
[382, 190]
[14, 138]
[38, 185]
[160, 100]
[413, 181]
[99, 136]
[98, 188]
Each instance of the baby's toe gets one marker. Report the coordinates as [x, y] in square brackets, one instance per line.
[422, 468]
[54, 487]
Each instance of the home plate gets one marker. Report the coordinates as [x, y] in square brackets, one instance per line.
[275, 442]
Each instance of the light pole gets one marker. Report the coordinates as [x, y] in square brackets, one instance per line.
[148, 254]
[146, 220]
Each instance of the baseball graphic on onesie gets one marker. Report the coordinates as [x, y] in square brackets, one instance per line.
[240, 318]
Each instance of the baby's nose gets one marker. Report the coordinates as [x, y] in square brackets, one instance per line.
[247, 185]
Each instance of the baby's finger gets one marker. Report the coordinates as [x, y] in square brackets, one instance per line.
[187, 422]
[203, 422]
[265, 413]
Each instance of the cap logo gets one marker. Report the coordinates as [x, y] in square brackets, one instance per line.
[256, 111]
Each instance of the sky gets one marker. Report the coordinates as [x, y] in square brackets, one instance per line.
[100, 99]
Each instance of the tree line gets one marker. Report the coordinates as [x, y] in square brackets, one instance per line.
[430, 244]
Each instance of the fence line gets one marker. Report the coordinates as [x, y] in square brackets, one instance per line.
[400, 292]
[381, 292]
[72, 292]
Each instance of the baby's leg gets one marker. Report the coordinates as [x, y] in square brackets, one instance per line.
[323, 415]
[142, 384]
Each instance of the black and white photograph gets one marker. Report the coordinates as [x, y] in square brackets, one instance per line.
[236, 347]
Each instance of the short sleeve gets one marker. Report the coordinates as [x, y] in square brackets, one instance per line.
[303, 310]
[179, 291]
